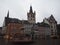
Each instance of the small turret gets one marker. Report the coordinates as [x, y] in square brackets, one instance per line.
[8, 14]
[31, 9]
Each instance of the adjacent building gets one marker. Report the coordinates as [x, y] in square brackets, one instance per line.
[42, 30]
[53, 24]
[13, 26]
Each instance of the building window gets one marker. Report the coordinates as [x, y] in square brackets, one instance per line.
[28, 15]
[51, 32]
[31, 18]
[31, 15]
[51, 26]
[22, 28]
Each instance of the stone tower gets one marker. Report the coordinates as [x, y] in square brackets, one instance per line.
[31, 16]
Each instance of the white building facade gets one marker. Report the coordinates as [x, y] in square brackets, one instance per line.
[53, 24]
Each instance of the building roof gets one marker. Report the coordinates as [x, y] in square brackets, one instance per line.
[42, 24]
[25, 22]
[12, 20]
[51, 18]
[15, 20]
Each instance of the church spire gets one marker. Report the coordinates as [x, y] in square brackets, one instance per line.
[8, 14]
[31, 16]
[31, 9]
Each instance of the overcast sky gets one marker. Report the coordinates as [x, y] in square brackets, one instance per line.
[19, 8]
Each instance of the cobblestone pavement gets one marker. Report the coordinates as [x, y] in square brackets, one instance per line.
[36, 42]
